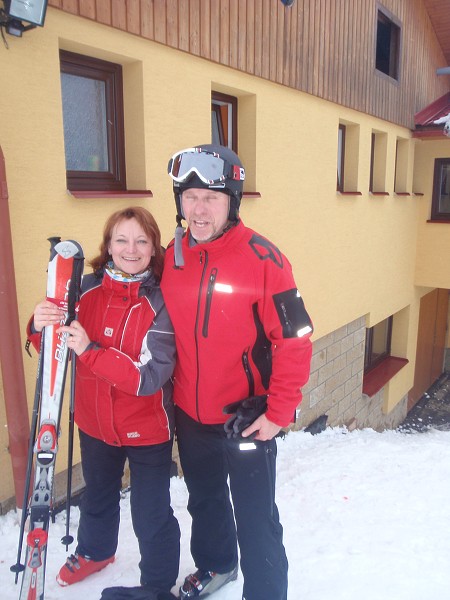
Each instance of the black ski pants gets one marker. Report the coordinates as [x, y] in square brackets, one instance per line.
[154, 523]
[213, 466]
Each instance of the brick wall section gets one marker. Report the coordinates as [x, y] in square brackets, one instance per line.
[335, 384]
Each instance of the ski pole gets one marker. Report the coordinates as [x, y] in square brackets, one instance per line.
[67, 539]
[19, 567]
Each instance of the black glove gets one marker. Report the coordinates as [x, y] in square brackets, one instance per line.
[244, 413]
[135, 593]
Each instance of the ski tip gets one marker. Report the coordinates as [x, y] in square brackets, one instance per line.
[68, 249]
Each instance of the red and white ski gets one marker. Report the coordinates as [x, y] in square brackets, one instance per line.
[63, 288]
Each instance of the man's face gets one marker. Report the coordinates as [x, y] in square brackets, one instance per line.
[206, 212]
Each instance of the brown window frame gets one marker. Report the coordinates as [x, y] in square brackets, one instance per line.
[218, 98]
[341, 160]
[372, 161]
[111, 74]
[370, 362]
[436, 213]
[387, 52]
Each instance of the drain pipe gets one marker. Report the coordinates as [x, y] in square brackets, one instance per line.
[11, 359]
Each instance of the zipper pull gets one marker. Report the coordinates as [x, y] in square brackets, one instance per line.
[201, 257]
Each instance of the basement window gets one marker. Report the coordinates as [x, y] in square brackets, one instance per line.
[380, 366]
[378, 344]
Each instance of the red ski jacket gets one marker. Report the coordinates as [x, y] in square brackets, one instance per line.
[241, 328]
[123, 391]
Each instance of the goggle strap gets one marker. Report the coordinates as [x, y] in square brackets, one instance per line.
[238, 173]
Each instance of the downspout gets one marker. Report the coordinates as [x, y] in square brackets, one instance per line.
[11, 359]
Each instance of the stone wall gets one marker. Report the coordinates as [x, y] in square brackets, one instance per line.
[335, 384]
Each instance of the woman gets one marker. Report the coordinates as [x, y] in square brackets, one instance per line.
[125, 351]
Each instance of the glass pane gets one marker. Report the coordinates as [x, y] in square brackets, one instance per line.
[340, 159]
[215, 129]
[444, 189]
[380, 339]
[383, 45]
[84, 114]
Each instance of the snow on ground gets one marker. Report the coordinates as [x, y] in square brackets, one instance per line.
[366, 516]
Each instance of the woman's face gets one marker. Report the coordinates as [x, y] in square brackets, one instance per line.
[130, 247]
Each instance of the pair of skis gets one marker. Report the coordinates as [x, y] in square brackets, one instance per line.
[65, 269]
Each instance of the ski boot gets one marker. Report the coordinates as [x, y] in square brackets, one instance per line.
[203, 583]
[77, 567]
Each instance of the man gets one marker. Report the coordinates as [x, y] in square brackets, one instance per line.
[243, 343]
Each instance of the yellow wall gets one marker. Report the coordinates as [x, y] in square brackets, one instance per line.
[352, 255]
[433, 245]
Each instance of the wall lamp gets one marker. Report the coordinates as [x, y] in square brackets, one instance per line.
[16, 11]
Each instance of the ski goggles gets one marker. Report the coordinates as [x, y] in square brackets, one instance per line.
[209, 166]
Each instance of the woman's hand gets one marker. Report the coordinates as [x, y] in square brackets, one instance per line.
[47, 313]
[77, 340]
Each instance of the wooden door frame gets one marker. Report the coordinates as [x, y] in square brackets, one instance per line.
[430, 349]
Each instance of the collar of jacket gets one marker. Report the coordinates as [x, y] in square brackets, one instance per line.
[231, 236]
[137, 288]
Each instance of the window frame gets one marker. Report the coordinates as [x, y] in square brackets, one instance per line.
[369, 362]
[220, 100]
[436, 213]
[111, 75]
[341, 158]
[372, 161]
[394, 50]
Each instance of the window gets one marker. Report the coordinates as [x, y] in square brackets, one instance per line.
[440, 204]
[224, 120]
[402, 151]
[377, 182]
[341, 158]
[372, 162]
[92, 101]
[348, 158]
[378, 343]
[388, 45]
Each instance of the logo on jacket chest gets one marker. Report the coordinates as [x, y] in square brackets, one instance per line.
[108, 332]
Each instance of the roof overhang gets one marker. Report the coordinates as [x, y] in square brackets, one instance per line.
[439, 14]
[425, 120]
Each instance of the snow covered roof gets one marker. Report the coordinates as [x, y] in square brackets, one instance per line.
[431, 120]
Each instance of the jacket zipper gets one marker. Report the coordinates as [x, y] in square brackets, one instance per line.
[248, 372]
[209, 295]
[203, 261]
